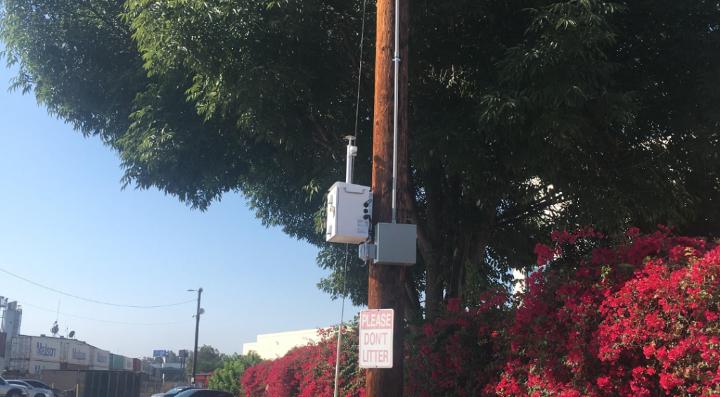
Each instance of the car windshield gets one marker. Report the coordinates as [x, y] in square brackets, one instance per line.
[35, 383]
[176, 390]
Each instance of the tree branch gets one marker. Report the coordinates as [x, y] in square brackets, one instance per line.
[531, 209]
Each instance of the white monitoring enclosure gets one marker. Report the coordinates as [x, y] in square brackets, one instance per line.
[349, 211]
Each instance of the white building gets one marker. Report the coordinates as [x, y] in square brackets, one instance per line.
[271, 346]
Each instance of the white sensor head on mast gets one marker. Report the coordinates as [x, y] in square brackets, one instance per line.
[350, 158]
[349, 206]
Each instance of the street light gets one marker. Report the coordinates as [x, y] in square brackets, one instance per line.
[197, 330]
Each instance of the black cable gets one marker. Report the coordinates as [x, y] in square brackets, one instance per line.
[99, 302]
[347, 246]
[360, 68]
[23, 303]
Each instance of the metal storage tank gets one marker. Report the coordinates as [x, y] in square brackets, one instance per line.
[12, 319]
[3, 345]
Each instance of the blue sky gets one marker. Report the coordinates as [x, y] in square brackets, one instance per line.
[65, 222]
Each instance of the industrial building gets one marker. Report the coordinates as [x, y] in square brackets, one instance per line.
[31, 355]
[271, 346]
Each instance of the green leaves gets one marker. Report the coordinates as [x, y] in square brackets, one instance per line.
[524, 115]
[209, 360]
[228, 376]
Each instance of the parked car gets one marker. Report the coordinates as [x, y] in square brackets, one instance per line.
[10, 390]
[42, 386]
[35, 388]
[204, 393]
[173, 392]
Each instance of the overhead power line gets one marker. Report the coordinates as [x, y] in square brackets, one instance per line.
[96, 319]
[99, 302]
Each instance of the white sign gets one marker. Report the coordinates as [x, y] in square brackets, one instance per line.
[376, 338]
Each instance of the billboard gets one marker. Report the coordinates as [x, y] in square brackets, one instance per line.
[160, 353]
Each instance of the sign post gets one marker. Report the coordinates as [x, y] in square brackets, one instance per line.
[376, 338]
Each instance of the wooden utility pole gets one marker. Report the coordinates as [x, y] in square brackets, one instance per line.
[197, 332]
[386, 282]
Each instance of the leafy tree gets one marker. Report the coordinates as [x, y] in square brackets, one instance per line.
[228, 376]
[525, 115]
[209, 360]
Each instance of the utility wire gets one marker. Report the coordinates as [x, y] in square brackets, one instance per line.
[360, 68]
[342, 315]
[347, 246]
[23, 303]
[99, 302]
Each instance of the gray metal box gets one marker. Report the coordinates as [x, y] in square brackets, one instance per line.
[396, 243]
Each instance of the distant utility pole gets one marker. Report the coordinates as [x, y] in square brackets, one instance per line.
[197, 331]
[386, 282]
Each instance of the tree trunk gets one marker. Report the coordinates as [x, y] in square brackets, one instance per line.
[434, 288]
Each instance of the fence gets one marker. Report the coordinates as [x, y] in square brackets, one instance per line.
[88, 383]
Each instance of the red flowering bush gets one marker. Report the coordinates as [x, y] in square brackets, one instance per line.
[599, 318]
[459, 353]
[639, 318]
[254, 380]
[309, 371]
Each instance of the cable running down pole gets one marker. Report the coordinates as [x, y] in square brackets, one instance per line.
[396, 62]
